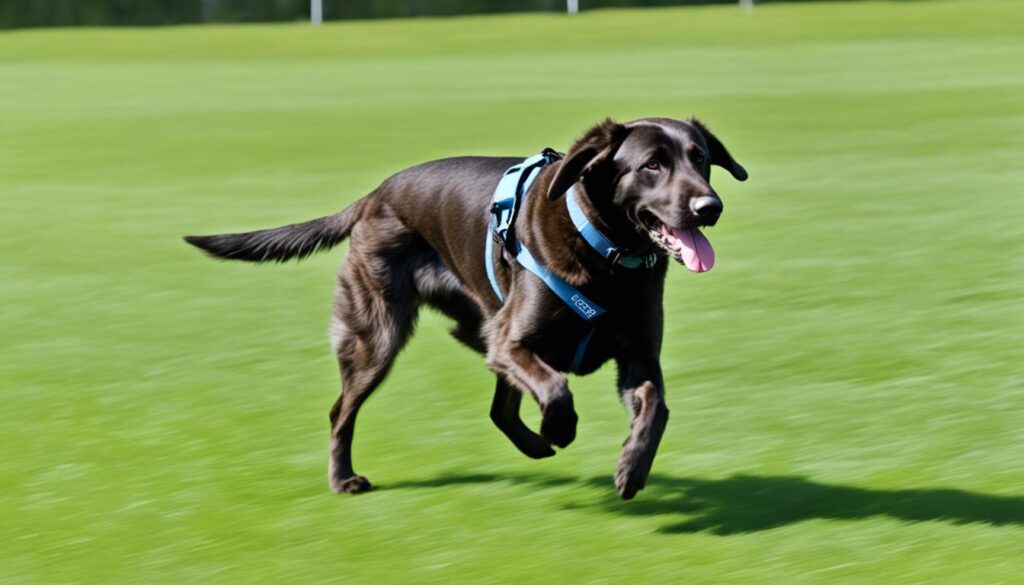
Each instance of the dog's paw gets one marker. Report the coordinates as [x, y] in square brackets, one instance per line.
[535, 447]
[627, 483]
[356, 484]
[631, 474]
[558, 422]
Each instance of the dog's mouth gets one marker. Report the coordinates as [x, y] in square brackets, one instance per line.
[688, 245]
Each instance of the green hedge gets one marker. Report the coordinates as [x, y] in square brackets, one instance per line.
[36, 13]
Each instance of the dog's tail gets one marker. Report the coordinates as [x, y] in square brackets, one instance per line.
[285, 243]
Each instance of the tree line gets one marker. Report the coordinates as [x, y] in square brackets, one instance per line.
[39, 13]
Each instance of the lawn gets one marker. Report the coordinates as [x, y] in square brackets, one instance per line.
[847, 385]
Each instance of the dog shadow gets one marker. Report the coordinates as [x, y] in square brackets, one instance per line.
[752, 503]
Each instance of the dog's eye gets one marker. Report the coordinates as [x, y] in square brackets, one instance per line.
[698, 157]
[652, 165]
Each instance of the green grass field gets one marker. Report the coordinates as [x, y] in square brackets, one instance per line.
[847, 385]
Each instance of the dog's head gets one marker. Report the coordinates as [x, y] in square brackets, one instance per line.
[652, 177]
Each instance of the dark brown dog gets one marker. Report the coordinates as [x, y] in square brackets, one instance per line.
[419, 238]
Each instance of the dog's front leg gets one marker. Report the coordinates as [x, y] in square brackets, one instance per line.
[505, 414]
[528, 373]
[642, 391]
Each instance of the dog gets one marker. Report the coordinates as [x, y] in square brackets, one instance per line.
[433, 234]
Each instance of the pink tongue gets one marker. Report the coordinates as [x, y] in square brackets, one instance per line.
[695, 251]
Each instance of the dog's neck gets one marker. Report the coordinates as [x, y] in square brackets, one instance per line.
[549, 233]
[595, 198]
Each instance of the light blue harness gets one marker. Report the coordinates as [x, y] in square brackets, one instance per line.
[513, 186]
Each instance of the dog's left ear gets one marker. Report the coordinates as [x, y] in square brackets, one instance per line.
[719, 155]
[598, 145]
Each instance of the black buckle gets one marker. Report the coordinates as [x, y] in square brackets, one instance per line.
[551, 155]
[648, 261]
[498, 206]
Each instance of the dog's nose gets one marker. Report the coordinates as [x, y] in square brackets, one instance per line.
[706, 207]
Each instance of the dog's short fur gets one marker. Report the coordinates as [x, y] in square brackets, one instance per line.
[419, 238]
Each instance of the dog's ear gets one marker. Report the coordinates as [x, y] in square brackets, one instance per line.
[719, 155]
[596, 146]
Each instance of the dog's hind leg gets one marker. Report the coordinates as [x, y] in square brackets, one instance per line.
[505, 414]
[374, 315]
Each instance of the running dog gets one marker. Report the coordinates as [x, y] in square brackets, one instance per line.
[548, 265]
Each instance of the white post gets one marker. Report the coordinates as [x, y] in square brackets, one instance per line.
[572, 6]
[746, 4]
[207, 10]
[316, 12]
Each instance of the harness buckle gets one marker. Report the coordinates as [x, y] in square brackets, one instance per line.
[615, 257]
[504, 205]
[551, 155]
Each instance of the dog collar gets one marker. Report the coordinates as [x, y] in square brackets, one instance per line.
[599, 242]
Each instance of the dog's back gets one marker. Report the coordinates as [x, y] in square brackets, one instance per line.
[444, 202]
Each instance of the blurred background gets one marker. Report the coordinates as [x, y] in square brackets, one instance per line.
[22, 13]
[845, 385]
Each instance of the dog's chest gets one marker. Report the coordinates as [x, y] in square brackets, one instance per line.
[567, 343]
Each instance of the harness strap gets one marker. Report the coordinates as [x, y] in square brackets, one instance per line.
[512, 187]
[581, 350]
[581, 305]
[489, 251]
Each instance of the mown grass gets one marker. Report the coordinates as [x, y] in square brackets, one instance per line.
[846, 385]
